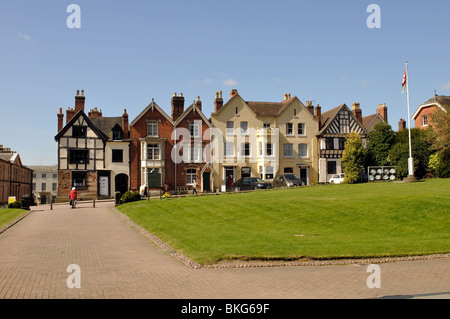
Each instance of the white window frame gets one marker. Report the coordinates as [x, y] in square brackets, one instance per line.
[194, 128]
[243, 149]
[191, 176]
[151, 128]
[288, 148]
[301, 149]
[230, 128]
[303, 126]
[424, 120]
[230, 147]
[289, 127]
[244, 128]
[151, 150]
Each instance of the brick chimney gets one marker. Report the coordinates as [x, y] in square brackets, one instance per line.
[177, 106]
[60, 119]
[218, 101]
[233, 93]
[79, 101]
[70, 113]
[356, 109]
[401, 125]
[319, 114]
[95, 113]
[125, 126]
[198, 104]
[310, 107]
[382, 110]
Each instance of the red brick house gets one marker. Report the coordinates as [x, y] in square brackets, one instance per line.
[423, 116]
[15, 178]
[195, 165]
[151, 146]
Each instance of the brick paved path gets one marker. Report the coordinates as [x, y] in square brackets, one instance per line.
[117, 261]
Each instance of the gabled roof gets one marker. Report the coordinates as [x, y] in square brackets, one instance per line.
[152, 106]
[369, 119]
[329, 116]
[192, 108]
[270, 108]
[438, 100]
[63, 131]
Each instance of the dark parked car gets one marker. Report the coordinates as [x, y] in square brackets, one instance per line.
[287, 180]
[247, 183]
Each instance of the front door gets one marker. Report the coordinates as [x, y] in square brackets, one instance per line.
[303, 174]
[206, 182]
[121, 183]
[154, 179]
[103, 186]
[229, 177]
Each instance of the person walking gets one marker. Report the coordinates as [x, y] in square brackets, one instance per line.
[73, 197]
[194, 191]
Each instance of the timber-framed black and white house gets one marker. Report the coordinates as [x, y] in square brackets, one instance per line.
[335, 127]
[93, 153]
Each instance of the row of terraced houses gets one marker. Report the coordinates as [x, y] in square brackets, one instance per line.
[103, 155]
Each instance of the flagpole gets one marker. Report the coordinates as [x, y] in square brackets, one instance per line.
[410, 159]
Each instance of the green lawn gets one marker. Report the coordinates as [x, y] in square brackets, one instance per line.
[327, 221]
[9, 215]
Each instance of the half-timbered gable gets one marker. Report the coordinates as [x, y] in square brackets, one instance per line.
[93, 153]
[336, 125]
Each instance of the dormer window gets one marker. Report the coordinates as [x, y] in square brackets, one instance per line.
[117, 133]
[79, 131]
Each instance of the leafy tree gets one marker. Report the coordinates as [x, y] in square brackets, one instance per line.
[353, 158]
[399, 153]
[439, 137]
[381, 140]
[440, 134]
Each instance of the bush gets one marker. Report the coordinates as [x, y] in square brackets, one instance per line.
[130, 197]
[439, 165]
[15, 205]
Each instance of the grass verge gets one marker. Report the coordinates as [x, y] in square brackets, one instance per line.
[320, 222]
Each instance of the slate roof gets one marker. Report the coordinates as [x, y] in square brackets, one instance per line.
[105, 124]
[269, 108]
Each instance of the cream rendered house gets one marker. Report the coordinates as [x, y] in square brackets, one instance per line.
[262, 139]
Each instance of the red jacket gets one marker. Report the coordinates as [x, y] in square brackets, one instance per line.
[73, 195]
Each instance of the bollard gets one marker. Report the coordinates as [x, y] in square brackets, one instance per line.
[93, 203]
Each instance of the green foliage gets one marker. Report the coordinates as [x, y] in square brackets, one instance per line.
[353, 158]
[130, 197]
[399, 153]
[15, 205]
[440, 134]
[381, 140]
[439, 165]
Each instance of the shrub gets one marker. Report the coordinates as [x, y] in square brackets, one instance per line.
[439, 165]
[130, 197]
[15, 205]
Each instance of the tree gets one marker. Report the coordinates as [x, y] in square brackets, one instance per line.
[353, 158]
[399, 153]
[381, 140]
[439, 138]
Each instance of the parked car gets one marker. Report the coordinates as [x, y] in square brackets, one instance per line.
[247, 183]
[287, 180]
[337, 179]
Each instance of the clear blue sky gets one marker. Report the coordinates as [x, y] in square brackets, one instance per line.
[128, 52]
